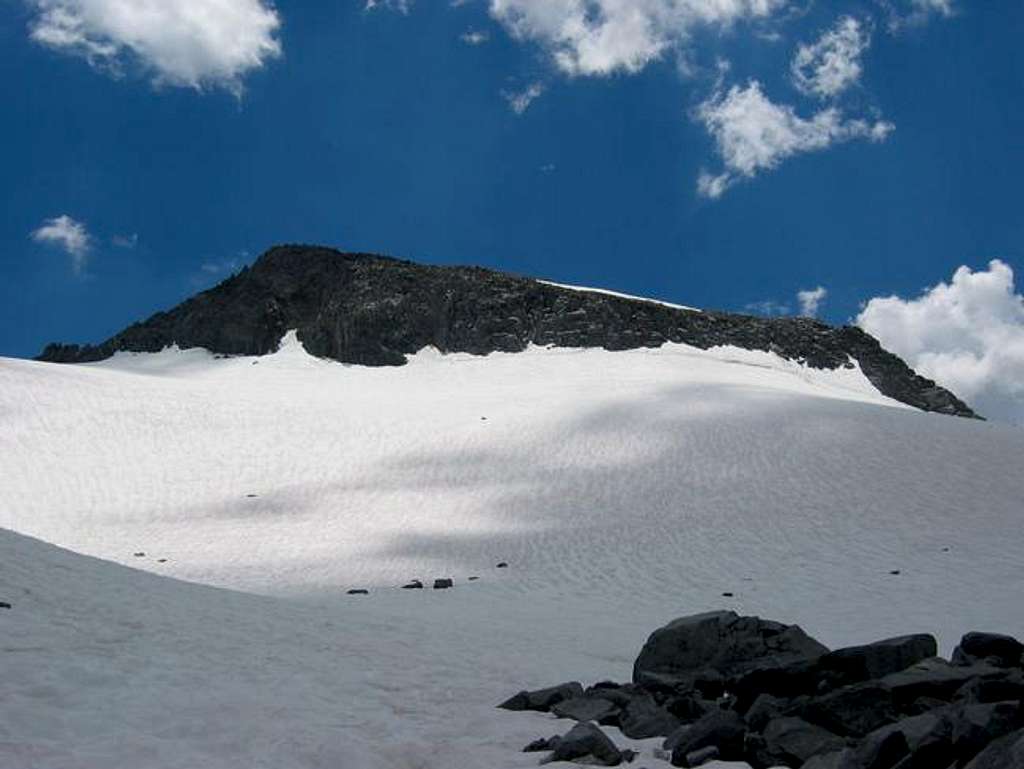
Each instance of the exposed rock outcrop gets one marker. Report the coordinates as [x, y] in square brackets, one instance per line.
[373, 310]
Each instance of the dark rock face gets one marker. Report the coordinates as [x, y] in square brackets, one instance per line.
[722, 643]
[372, 310]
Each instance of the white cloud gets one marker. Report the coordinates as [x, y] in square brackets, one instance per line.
[520, 101]
[190, 43]
[402, 6]
[599, 37]
[754, 134]
[810, 301]
[903, 13]
[474, 37]
[126, 241]
[70, 236]
[767, 307]
[968, 335]
[829, 66]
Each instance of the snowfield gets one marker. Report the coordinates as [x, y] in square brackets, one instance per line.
[624, 489]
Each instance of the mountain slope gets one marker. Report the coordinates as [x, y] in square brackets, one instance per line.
[371, 310]
[623, 489]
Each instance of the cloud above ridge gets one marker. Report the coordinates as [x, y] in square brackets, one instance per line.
[968, 335]
[70, 236]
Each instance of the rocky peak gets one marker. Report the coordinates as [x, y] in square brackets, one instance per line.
[374, 310]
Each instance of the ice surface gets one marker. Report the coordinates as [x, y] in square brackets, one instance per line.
[624, 489]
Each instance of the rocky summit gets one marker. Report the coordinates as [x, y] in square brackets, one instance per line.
[373, 310]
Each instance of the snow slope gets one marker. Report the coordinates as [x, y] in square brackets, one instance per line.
[624, 489]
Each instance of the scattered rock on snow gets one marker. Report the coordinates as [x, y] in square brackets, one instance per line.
[501, 565]
[358, 591]
[543, 699]
[443, 584]
[542, 745]
[5, 605]
[414, 585]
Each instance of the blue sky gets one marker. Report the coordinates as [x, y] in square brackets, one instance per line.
[868, 147]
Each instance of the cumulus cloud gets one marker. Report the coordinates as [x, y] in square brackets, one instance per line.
[70, 236]
[968, 335]
[600, 37]
[829, 66]
[754, 134]
[520, 101]
[190, 43]
[904, 13]
[810, 301]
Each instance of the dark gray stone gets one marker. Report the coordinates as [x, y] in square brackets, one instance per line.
[414, 585]
[875, 660]
[722, 729]
[1006, 752]
[586, 743]
[792, 741]
[585, 709]
[975, 726]
[542, 745]
[985, 690]
[934, 678]
[358, 591]
[443, 584]
[542, 700]
[721, 642]
[853, 710]
[643, 718]
[702, 756]
[372, 310]
[765, 708]
[991, 648]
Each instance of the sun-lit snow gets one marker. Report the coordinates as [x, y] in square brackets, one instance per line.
[624, 489]
[606, 292]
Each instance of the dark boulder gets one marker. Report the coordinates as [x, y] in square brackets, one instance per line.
[722, 729]
[688, 707]
[585, 709]
[934, 678]
[542, 745]
[852, 711]
[5, 605]
[414, 585]
[787, 680]
[984, 690]
[358, 591]
[586, 743]
[975, 726]
[443, 584]
[702, 756]
[875, 660]
[792, 741]
[991, 648]
[643, 718]
[765, 709]
[683, 652]
[917, 741]
[1006, 752]
[542, 700]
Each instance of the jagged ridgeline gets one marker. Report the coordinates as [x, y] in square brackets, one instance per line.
[373, 310]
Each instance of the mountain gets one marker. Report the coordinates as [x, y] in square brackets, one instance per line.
[376, 311]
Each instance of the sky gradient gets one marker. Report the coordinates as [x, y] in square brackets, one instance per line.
[868, 148]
